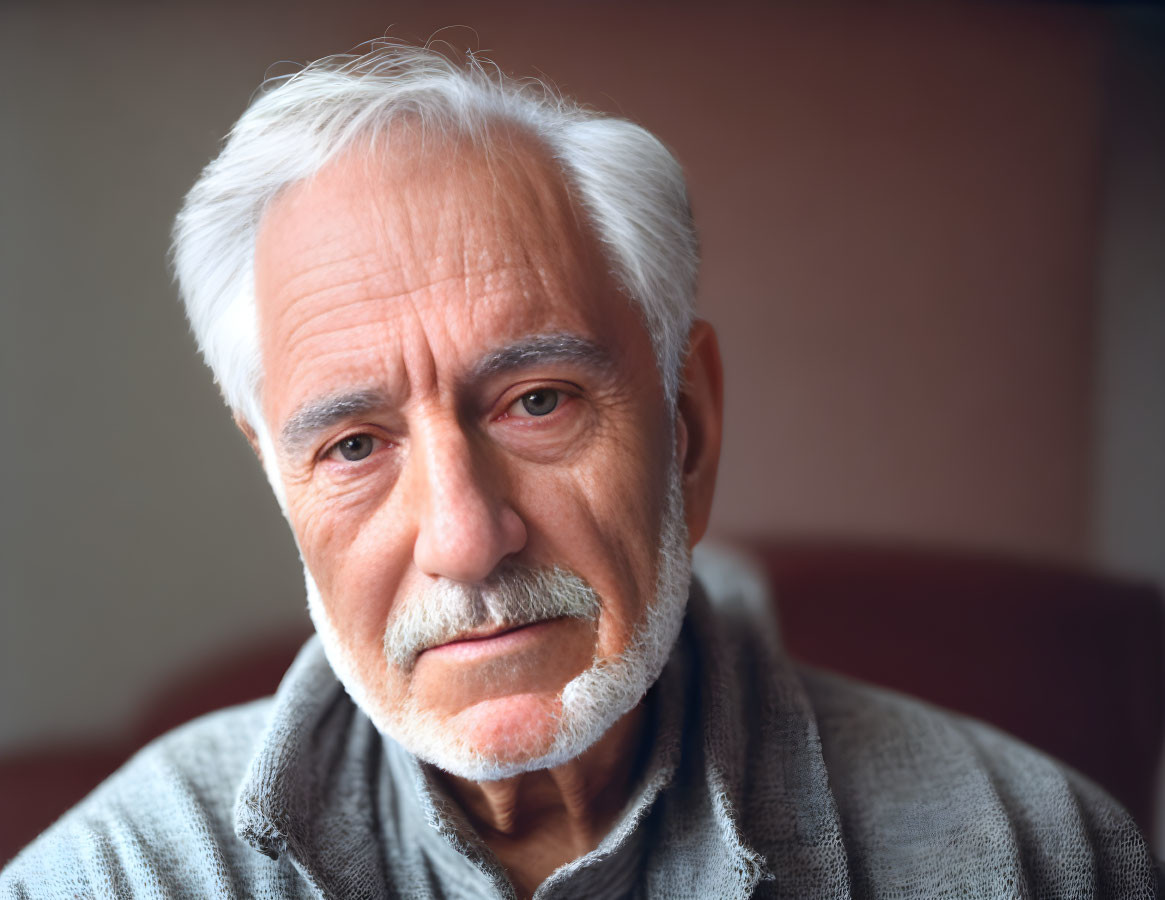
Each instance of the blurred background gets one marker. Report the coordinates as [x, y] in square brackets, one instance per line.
[934, 243]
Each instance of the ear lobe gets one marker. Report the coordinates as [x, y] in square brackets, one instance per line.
[249, 433]
[699, 426]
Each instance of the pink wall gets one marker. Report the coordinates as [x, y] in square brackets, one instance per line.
[899, 219]
[898, 211]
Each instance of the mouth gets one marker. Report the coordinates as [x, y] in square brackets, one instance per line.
[493, 640]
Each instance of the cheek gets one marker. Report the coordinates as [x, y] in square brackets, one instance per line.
[601, 518]
[358, 559]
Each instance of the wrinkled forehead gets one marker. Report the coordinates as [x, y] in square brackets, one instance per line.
[427, 206]
[421, 232]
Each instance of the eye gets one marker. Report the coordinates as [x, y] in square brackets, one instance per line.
[355, 447]
[537, 403]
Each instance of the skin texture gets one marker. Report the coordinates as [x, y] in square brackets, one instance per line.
[391, 276]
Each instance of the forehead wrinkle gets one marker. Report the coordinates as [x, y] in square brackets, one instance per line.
[467, 202]
[486, 198]
[322, 253]
[471, 232]
[306, 358]
[370, 286]
[302, 331]
[412, 366]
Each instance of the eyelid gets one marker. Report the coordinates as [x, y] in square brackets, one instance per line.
[332, 447]
[568, 391]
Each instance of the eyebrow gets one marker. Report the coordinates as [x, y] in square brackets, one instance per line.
[320, 415]
[316, 416]
[540, 350]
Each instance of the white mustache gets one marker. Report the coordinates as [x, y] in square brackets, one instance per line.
[516, 596]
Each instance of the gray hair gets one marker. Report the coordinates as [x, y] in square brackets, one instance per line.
[629, 184]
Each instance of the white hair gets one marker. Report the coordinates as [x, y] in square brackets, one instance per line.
[626, 180]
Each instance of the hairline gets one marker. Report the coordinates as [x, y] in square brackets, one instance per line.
[646, 240]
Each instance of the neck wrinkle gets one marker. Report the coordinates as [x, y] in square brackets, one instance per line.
[612, 866]
[584, 795]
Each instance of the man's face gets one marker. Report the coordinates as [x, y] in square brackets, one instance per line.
[458, 393]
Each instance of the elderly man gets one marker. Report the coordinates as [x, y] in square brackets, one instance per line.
[453, 316]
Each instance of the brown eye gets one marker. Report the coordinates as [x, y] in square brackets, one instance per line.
[541, 402]
[356, 447]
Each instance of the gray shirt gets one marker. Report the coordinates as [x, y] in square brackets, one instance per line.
[760, 779]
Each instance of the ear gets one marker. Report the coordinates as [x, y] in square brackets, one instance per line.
[249, 433]
[699, 423]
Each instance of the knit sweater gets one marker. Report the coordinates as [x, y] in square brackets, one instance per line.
[760, 779]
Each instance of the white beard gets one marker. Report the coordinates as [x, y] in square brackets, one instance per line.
[591, 702]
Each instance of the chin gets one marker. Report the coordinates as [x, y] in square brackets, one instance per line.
[489, 741]
[507, 736]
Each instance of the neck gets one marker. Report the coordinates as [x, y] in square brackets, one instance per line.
[538, 821]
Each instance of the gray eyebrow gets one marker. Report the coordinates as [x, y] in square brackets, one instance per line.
[320, 415]
[542, 349]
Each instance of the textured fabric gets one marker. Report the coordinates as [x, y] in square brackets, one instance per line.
[760, 780]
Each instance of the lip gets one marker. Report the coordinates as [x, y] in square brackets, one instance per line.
[490, 643]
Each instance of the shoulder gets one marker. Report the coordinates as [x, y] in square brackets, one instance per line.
[162, 825]
[941, 800]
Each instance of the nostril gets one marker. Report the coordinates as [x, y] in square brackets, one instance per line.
[513, 531]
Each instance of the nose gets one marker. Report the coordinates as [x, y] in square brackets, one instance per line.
[465, 527]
